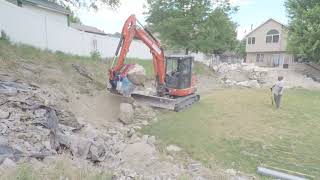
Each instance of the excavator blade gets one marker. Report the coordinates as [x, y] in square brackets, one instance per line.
[174, 104]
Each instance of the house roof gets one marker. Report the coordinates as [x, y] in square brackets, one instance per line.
[263, 25]
[88, 29]
[45, 4]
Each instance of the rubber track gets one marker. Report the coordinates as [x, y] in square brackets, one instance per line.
[186, 103]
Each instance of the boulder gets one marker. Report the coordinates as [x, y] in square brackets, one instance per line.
[97, 153]
[40, 113]
[68, 118]
[260, 76]
[151, 140]
[126, 113]
[145, 123]
[139, 154]
[8, 91]
[3, 128]
[80, 147]
[130, 132]
[237, 76]
[173, 148]
[4, 114]
[4, 140]
[7, 164]
[145, 138]
[223, 68]
[137, 75]
[249, 84]
[8, 151]
[230, 82]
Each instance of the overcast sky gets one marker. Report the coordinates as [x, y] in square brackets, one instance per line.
[251, 12]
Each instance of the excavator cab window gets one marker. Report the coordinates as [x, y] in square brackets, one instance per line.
[179, 72]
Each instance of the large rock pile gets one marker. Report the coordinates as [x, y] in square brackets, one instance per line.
[251, 76]
[245, 75]
[32, 127]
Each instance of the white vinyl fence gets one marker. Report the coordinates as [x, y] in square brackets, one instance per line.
[25, 26]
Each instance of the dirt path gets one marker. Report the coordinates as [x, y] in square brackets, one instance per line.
[99, 109]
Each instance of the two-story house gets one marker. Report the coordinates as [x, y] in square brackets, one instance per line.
[267, 45]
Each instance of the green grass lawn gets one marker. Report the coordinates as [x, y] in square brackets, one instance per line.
[238, 128]
[61, 169]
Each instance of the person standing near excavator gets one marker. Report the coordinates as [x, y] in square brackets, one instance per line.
[277, 90]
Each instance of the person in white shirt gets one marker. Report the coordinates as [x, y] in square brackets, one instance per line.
[277, 90]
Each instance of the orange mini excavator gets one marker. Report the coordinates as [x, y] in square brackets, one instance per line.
[175, 83]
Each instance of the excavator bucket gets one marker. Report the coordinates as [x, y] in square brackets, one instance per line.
[175, 104]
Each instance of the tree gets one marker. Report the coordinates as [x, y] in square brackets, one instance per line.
[72, 18]
[94, 4]
[240, 49]
[304, 29]
[192, 24]
[217, 34]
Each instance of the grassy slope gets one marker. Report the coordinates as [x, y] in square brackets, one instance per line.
[14, 59]
[239, 129]
[62, 169]
[12, 55]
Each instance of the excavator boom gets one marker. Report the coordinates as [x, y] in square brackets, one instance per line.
[131, 30]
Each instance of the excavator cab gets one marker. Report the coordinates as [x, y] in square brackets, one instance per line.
[179, 72]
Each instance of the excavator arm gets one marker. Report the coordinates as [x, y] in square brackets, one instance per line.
[133, 29]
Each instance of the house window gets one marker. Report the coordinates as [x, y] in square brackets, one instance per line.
[259, 58]
[273, 36]
[251, 40]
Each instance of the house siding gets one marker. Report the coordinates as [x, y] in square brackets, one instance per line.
[270, 58]
[26, 26]
[270, 51]
[49, 15]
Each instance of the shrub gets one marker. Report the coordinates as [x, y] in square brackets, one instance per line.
[4, 36]
[95, 55]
